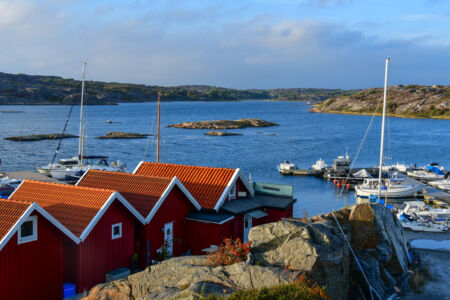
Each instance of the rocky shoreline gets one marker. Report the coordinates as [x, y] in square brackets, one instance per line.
[221, 133]
[123, 135]
[411, 101]
[224, 124]
[281, 252]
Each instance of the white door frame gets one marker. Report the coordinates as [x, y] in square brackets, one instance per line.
[168, 237]
[247, 226]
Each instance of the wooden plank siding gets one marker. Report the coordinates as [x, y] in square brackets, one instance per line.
[33, 270]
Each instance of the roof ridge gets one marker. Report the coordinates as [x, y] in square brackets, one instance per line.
[68, 186]
[193, 166]
[131, 174]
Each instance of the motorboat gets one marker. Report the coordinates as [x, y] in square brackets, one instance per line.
[402, 168]
[424, 175]
[339, 168]
[287, 166]
[8, 185]
[319, 165]
[70, 173]
[415, 224]
[389, 189]
[61, 164]
[420, 209]
[435, 183]
[444, 187]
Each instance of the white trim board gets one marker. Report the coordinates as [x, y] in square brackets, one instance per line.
[212, 222]
[237, 174]
[35, 207]
[138, 166]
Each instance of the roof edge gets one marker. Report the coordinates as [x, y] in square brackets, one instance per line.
[138, 166]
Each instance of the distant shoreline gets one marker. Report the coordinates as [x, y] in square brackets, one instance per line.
[314, 110]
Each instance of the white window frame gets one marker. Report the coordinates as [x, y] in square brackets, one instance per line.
[31, 238]
[232, 194]
[118, 236]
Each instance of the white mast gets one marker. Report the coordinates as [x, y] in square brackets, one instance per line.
[81, 113]
[382, 129]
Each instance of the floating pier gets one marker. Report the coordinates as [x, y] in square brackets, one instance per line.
[31, 175]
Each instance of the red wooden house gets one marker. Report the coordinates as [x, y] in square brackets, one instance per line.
[31, 252]
[163, 202]
[231, 205]
[102, 221]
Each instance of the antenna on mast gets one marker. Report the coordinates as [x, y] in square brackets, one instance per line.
[81, 112]
[382, 129]
[157, 132]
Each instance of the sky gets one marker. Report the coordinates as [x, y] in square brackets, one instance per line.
[231, 43]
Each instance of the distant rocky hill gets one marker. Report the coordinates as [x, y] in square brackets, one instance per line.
[27, 89]
[416, 101]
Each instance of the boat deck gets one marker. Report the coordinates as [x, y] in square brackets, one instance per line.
[31, 175]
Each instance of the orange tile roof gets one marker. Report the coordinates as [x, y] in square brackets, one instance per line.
[72, 206]
[206, 184]
[140, 191]
[10, 213]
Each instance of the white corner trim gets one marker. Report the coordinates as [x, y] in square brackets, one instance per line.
[34, 206]
[97, 217]
[57, 224]
[187, 193]
[138, 166]
[129, 207]
[16, 226]
[160, 201]
[246, 183]
[16, 189]
[225, 192]
[82, 176]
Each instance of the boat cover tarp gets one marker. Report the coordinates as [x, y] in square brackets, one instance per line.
[362, 174]
[435, 170]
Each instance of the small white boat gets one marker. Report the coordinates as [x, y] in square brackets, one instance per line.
[444, 187]
[287, 166]
[435, 183]
[424, 175]
[319, 165]
[409, 223]
[89, 162]
[420, 209]
[62, 164]
[389, 189]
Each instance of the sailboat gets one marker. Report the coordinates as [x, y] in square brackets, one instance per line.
[72, 168]
[383, 187]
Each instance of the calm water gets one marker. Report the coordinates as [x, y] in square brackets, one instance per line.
[302, 137]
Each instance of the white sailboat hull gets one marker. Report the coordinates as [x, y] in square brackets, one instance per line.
[397, 192]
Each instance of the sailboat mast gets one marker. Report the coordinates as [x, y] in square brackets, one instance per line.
[157, 132]
[80, 142]
[382, 129]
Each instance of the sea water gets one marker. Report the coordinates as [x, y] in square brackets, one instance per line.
[302, 137]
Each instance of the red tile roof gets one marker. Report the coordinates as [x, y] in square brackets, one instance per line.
[140, 191]
[73, 206]
[10, 213]
[206, 184]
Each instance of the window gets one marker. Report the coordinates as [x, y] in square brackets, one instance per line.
[28, 230]
[117, 231]
[232, 192]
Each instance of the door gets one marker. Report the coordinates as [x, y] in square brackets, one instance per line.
[247, 227]
[168, 237]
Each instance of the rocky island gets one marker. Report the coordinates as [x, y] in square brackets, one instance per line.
[39, 137]
[411, 101]
[122, 135]
[224, 124]
[280, 253]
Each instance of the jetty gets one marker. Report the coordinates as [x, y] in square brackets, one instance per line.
[31, 175]
[429, 190]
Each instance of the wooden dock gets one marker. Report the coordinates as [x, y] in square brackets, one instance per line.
[31, 175]
[429, 191]
[302, 172]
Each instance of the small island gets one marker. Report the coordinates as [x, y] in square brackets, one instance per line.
[410, 101]
[221, 133]
[39, 137]
[122, 135]
[224, 124]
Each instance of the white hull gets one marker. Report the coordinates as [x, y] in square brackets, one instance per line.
[424, 227]
[424, 176]
[397, 192]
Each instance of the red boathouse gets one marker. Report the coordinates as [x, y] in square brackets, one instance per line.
[102, 221]
[231, 204]
[163, 202]
[31, 252]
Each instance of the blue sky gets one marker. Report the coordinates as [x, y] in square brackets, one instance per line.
[236, 44]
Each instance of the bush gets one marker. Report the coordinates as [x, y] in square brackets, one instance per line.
[229, 252]
[301, 290]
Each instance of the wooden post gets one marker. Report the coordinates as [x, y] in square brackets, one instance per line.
[157, 133]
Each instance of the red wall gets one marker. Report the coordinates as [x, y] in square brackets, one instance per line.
[273, 215]
[174, 209]
[33, 270]
[99, 253]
